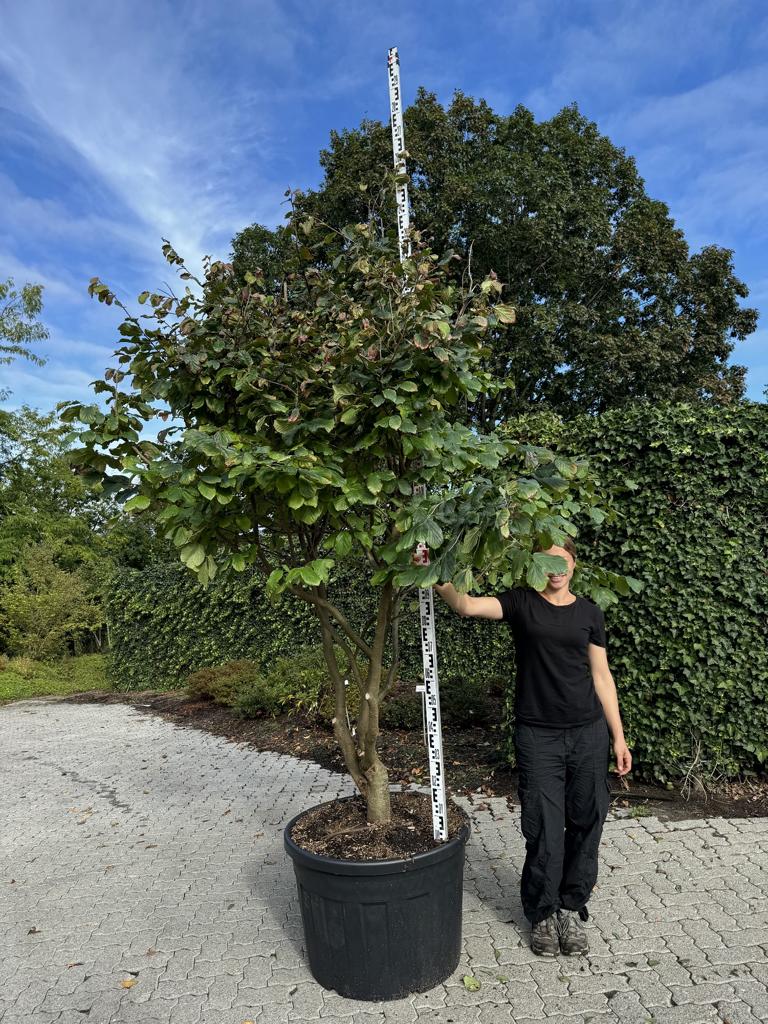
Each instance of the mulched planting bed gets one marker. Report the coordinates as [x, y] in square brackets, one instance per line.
[339, 829]
[473, 765]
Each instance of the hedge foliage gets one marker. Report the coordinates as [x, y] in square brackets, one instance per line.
[688, 653]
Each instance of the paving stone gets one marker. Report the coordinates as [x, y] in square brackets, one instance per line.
[679, 914]
[626, 1007]
[690, 1013]
[736, 1013]
[701, 993]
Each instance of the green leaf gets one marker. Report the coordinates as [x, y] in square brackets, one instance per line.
[309, 575]
[207, 491]
[550, 563]
[274, 578]
[505, 314]
[343, 544]
[471, 984]
[139, 502]
[432, 535]
[192, 555]
[536, 577]
[374, 483]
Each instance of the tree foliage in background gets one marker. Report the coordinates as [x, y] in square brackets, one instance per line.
[47, 611]
[43, 502]
[19, 325]
[309, 415]
[611, 304]
[52, 522]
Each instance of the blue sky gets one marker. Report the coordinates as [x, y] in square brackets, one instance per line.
[125, 122]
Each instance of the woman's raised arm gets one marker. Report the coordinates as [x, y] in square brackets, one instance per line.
[468, 606]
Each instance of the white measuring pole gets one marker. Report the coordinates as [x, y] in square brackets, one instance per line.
[430, 690]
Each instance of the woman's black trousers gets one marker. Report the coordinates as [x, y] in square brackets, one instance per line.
[564, 798]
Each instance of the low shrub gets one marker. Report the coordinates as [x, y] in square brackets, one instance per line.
[295, 683]
[223, 683]
[467, 700]
[402, 708]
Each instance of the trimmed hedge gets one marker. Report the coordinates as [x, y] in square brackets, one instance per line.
[688, 653]
[164, 625]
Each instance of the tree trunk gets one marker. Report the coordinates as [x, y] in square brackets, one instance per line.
[358, 746]
[379, 808]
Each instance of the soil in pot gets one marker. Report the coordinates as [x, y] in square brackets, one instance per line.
[340, 830]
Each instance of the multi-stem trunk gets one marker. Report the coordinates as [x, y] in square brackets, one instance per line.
[359, 745]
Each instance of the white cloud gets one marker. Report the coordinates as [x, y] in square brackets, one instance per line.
[118, 86]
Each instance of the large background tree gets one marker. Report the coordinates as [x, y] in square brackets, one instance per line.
[611, 304]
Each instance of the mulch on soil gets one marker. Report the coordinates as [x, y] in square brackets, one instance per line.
[474, 766]
[339, 828]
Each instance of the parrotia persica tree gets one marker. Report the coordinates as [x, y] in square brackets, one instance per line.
[301, 420]
[611, 304]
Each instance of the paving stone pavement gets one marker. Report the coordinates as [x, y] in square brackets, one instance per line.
[143, 879]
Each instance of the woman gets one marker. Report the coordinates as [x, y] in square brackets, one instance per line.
[565, 707]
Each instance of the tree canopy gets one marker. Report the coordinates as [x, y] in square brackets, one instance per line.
[611, 304]
[306, 417]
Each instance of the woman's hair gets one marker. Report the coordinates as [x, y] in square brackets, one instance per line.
[569, 546]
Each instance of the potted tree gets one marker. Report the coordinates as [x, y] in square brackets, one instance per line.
[303, 411]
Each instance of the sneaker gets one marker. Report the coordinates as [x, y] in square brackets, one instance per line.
[544, 937]
[573, 937]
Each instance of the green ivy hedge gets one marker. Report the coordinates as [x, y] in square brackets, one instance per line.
[164, 625]
[688, 653]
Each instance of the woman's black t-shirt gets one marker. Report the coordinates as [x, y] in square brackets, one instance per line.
[554, 684]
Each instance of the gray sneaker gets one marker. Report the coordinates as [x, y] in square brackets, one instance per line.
[573, 937]
[544, 937]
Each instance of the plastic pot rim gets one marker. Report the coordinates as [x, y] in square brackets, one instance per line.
[390, 866]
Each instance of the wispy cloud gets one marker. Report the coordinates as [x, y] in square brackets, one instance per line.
[169, 145]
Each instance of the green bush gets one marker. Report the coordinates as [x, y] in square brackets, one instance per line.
[402, 708]
[223, 683]
[297, 682]
[470, 699]
[47, 612]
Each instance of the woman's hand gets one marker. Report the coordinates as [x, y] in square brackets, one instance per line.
[623, 757]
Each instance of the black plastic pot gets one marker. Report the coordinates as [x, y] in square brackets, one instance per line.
[381, 929]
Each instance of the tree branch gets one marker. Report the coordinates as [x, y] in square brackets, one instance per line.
[318, 601]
